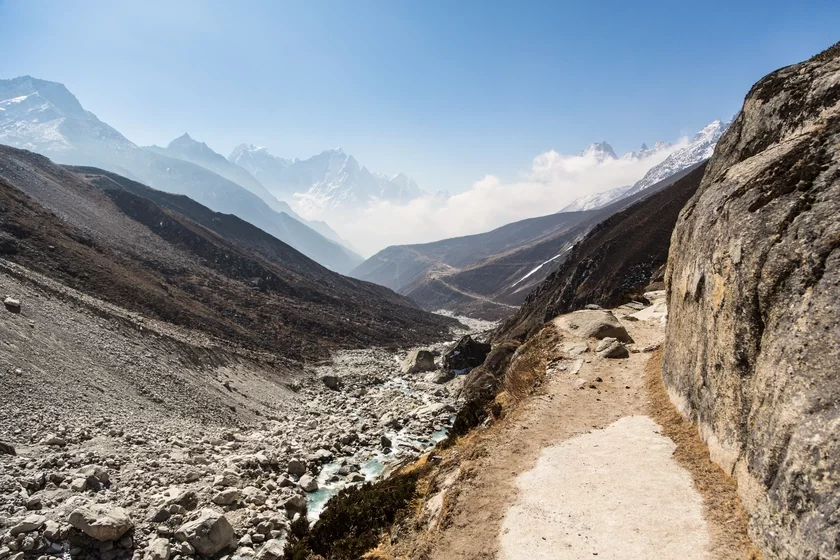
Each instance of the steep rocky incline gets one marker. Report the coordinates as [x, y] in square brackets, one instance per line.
[612, 264]
[172, 259]
[753, 338]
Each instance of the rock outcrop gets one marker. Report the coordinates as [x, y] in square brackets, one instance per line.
[753, 339]
[465, 354]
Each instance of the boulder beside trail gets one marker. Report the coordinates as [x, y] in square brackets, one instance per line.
[590, 323]
[418, 361]
[465, 354]
[611, 348]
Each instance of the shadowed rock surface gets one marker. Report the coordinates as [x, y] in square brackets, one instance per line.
[753, 338]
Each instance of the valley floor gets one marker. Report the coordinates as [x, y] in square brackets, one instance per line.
[596, 464]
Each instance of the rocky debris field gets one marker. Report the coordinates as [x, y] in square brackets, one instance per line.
[95, 463]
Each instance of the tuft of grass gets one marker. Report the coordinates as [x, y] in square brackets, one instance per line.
[526, 372]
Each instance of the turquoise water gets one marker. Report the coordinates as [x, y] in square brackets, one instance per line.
[372, 467]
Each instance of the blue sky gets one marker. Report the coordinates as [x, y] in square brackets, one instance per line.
[444, 91]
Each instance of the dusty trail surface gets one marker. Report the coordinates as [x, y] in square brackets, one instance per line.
[586, 469]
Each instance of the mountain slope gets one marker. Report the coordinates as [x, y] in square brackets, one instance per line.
[488, 275]
[699, 149]
[172, 259]
[612, 263]
[46, 118]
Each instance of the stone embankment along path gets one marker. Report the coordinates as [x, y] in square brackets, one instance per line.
[589, 468]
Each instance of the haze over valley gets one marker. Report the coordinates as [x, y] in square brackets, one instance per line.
[419, 281]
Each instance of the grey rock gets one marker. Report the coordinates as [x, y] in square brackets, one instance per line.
[593, 324]
[332, 382]
[28, 524]
[54, 441]
[7, 449]
[752, 351]
[308, 483]
[614, 350]
[209, 534]
[158, 549]
[271, 550]
[296, 467]
[465, 354]
[227, 497]
[102, 522]
[12, 304]
[418, 361]
[253, 495]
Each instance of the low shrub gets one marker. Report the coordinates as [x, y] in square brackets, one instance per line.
[354, 519]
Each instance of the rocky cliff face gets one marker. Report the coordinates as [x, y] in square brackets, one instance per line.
[753, 343]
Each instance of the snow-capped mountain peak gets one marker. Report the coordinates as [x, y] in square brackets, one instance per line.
[645, 152]
[329, 180]
[601, 151]
[701, 147]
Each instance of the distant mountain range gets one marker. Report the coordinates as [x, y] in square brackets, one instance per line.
[700, 148]
[45, 117]
[490, 274]
[328, 181]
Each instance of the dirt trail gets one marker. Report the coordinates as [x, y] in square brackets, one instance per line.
[586, 468]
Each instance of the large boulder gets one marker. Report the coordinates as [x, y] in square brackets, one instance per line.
[465, 354]
[209, 534]
[7, 449]
[102, 522]
[417, 361]
[752, 353]
[590, 323]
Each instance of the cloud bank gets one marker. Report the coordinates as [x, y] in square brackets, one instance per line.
[553, 181]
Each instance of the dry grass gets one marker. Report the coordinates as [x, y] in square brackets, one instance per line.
[727, 518]
[527, 369]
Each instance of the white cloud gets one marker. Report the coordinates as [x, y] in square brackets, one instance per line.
[553, 181]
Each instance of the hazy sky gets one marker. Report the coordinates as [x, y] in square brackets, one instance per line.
[444, 91]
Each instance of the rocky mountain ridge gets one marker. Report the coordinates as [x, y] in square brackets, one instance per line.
[699, 148]
[331, 180]
[45, 117]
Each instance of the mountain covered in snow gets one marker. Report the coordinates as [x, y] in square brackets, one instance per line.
[601, 151]
[698, 149]
[331, 180]
[44, 117]
[188, 149]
